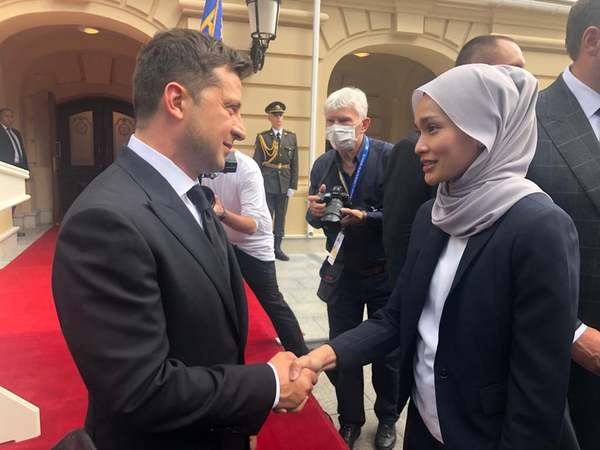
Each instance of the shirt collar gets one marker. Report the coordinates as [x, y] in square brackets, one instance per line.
[176, 177]
[275, 130]
[588, 99]
[4, 126]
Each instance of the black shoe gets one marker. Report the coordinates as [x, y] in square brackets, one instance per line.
[350, 434]
[385, 438]
[280, 255]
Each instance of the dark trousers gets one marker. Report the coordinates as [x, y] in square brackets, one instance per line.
[354, 292]
[416, 434]
[278, 204]
[584, 400]
[262, 279]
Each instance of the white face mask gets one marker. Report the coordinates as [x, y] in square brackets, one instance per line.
[341, 137]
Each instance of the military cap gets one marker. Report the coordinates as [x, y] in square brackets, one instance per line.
[275, 107]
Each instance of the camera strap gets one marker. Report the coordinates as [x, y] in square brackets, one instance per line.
[361, 165]
[342, 180]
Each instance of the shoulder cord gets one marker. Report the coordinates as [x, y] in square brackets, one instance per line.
[269, 152]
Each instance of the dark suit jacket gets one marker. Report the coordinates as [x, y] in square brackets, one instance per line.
[502, 362]
[278, 181]
[404, 191]
[567, 166]
[156, 328]
[7, 152]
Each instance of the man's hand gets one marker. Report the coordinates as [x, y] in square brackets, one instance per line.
[319, 359]
[585, 351]
[218, 207]
[290, 193]
[315, 206]
[352, 217]
[293, 394]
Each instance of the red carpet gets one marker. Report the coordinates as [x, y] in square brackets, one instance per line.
[36, 365]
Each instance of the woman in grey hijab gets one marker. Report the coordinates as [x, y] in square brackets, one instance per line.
[486, 303]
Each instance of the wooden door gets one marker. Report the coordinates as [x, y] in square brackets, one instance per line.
[91, 132]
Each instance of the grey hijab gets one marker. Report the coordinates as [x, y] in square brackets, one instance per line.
[495, 105]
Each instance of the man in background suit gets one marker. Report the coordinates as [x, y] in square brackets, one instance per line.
[147, 288]
[276, 152]
[404, 188]
[567, 167]
[12, 149]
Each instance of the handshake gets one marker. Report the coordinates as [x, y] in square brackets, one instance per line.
[297, 376]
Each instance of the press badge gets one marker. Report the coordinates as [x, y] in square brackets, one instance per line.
[336, 248]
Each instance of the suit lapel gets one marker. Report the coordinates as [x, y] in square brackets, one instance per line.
[421, 274]
[270, 138]
[573, 136]
[6, 146]
[474, 247]
[172, 212]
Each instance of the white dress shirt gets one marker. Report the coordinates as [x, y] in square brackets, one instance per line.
[176, 177]
[589, 100]
[181, 183]
[14, 140]
[277, 132]
[423, 394]
[243, 192]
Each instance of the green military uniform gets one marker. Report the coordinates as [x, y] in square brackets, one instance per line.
[277, 156]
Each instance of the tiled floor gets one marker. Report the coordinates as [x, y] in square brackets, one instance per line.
[298, 280]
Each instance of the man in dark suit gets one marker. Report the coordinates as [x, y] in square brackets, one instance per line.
[12, 149]
[147, 288]
[567, 167]
[276, 152]
[404, 187]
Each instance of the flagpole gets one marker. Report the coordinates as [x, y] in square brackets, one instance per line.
[314, 92]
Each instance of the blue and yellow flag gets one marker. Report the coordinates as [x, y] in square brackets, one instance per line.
[212, 19]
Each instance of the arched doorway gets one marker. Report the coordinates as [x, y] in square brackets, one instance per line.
[57, 68]
[91, 131]
[395, 66]
[388, 95]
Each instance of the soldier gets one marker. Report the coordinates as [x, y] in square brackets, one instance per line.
[276, 152]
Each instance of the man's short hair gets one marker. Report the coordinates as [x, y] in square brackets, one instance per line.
[479, 47]
[185, 56]
[583, 14]
[348, 97]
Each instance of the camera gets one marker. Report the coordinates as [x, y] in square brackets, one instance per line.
[230, 166]
[335, 201]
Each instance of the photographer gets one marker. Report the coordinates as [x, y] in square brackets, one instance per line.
[352, 176]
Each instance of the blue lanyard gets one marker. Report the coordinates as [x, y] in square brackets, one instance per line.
[361, 165]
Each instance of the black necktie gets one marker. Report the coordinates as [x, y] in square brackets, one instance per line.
[198, 198]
